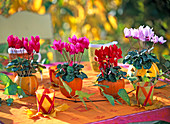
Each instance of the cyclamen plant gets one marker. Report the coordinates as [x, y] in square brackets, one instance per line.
[72, 53]
[24, 66]
[29, 46]
[108, 63]
[142, 56]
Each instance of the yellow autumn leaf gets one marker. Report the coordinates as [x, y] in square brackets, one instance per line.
[42, 10]
[99, 5]
[107, 26]
[113, 21]
[30, 112]
[37, 4]
[155, 105]
[62, 107]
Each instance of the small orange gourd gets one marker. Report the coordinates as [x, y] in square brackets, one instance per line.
[113, 87]
[28, 84]
[76, 84]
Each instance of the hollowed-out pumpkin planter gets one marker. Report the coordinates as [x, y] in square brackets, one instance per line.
[76, 84]
[29, 84]
[113, 88]
[70, 78]
[142, 63]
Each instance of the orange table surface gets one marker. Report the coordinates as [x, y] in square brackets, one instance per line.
[76, 112]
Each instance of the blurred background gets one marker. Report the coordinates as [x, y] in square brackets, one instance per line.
[97, 20]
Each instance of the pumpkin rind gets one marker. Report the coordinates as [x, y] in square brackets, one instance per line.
[113, 86]
[76, 84]
[28, 84]
[141, 72]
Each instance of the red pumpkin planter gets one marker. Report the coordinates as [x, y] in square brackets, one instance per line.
[113, 87]
[76, 84]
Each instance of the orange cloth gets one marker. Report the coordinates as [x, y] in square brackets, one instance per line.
[76, 112]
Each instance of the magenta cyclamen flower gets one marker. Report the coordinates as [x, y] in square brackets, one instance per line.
[28, 47]
[35, 43]
[12, 41]
[72, 49]
[67, 46]
[19, 43]
[73, 40]
[127, 32]
[58, 45]
[85, 42]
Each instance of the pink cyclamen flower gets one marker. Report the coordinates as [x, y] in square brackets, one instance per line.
[19, 43]
[72, 49]
[141, 33]
[79, 48]
[148, 33]
[127, 32]
[58, 45]
[135, 33]
[161, 40]
[28, 47]
[73, 40]
[12, 40]
[67, 46]
[155, 39]
[85, 42]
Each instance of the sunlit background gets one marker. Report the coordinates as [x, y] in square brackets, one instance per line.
[98, 19]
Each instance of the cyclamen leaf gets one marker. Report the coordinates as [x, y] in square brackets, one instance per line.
[110, 98]
[160, 87]
[59, 66]
[21, 93]
[83, 94]
[4, 78]
[167, 57]
[118, 102]
[11, 89]
[84, 75]
[101, 85]
[123, 94]
[69, 90]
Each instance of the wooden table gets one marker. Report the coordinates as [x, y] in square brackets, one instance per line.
[77, 112]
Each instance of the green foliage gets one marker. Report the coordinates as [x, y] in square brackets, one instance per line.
[24, 67]
[9, 101]
[3, 57]
[141, 58]
[11, 88]
[68, 73]
[82, 95]
[112, 74]
[123, 94]
[68, 89]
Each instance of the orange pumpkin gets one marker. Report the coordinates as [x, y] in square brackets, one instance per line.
[113, 87]
[28, 84]
[52, 76]
[76, 84]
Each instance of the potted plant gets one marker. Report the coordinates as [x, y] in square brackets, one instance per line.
[111, 74]
[142, 60]
[96, 44]
[26, 66]
[70, 73]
